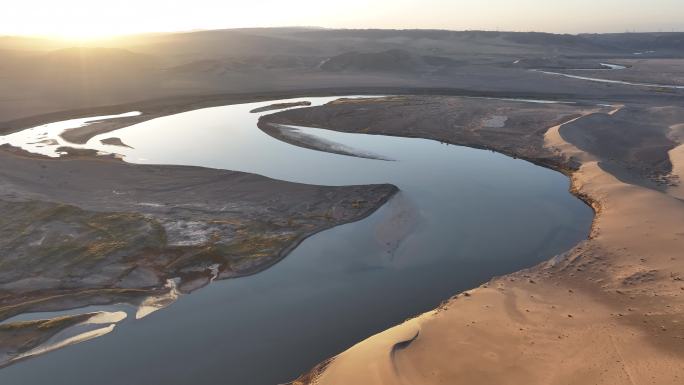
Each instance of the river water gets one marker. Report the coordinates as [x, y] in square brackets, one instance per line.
[462, 216]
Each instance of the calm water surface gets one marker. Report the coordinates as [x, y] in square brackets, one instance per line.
[462, 216]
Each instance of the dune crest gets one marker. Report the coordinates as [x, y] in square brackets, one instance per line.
[610, 311]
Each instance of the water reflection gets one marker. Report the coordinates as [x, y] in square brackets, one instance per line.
[463, 216]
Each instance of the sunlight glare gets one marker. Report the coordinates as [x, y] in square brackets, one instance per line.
[96, 19]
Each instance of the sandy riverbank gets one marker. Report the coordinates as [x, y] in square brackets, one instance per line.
[609, 311]
[600, 273]
[70, 242]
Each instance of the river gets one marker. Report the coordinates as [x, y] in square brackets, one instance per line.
[462, 216]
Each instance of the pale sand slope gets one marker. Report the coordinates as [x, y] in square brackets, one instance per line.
[555, 142]
[610, 312]
[677, 159]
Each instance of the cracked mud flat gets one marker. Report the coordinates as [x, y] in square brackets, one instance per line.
[609, 311]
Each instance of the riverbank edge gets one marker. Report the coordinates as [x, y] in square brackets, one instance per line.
[374, 360]
[590, 196]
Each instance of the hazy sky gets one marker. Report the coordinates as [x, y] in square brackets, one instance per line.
[93, 18]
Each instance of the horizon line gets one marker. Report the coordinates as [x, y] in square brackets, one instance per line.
[199, 30]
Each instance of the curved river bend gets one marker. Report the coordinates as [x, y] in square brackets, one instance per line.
[462, 216]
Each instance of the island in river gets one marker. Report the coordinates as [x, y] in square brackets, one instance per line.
[83, 230]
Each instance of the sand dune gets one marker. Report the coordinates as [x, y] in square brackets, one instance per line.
[610, 311]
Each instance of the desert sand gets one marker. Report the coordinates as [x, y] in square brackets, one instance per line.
[609, 311]
[677, 160]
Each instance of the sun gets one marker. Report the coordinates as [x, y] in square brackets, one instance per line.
[77, 20]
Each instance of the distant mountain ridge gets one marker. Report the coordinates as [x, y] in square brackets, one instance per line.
[42, 75]
[316, 41]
